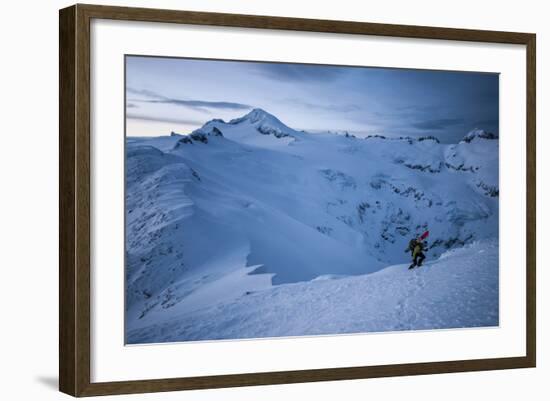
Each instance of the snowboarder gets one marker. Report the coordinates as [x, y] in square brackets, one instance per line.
[416, 247]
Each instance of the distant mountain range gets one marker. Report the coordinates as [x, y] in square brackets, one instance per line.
[236, 207]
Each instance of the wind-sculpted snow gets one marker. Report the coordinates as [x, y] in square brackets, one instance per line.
[251, 204]
[458, 290]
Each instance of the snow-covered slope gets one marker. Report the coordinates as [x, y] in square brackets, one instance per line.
[239, 206]
[458, 290]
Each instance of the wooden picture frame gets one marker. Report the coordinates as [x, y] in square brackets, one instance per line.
[74, 200]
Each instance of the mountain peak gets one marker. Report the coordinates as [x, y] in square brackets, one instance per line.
[478, 133]
[265, 123]
[257, 115]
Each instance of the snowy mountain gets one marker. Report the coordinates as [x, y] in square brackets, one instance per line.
[478, 133]
[251, 206]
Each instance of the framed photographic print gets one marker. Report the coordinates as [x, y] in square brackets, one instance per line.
[250, 200]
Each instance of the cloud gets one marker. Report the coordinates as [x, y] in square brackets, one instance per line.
[438, 124]
[143, 117]
[131, 105]
[144, 92]
[300, 72]
[490, 122]
[199, 105]
[342, 108]
[202, 104]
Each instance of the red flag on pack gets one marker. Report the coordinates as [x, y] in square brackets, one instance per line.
[425, 235]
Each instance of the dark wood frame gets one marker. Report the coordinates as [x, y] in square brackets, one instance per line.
[74, 199]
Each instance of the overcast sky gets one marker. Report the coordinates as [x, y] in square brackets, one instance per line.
[174, 94]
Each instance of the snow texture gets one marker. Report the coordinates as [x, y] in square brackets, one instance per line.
[458, 290]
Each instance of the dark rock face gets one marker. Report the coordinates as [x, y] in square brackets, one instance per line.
[199, 135]
[216, 132]
[184, 140]
[489, 190]
[428, 138]
[425, 168]
[267, 130]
